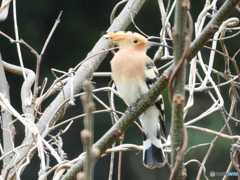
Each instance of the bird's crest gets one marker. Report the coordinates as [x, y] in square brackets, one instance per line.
[126, 39]
[119, 36]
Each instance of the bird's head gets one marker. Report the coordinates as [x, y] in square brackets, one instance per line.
[128, 39]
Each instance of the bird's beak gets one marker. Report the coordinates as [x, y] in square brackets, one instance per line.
[150, 43]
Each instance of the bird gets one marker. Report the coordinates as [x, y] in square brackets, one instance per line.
[134, 73]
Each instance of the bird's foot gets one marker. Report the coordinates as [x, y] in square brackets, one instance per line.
[132, 107]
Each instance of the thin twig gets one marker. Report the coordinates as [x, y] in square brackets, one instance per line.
[87, 133]
[17, 38]
[39, 58]
[112, 16]
[214, 132]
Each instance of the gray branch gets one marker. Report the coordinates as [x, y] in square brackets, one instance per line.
[6, 119]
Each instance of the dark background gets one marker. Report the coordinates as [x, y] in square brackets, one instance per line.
[79, 30]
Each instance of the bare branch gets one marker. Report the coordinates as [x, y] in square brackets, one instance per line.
[8, 128]
[4, 9]
[214, 132]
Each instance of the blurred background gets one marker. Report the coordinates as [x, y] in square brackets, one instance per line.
[80, 28]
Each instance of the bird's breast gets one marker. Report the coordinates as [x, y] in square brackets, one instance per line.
[128, 75]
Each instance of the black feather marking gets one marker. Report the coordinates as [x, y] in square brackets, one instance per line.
[161, 117]
[154, 156]
[151, 66]
[144, 137]
[158, 154]
[158, 134]
[158, 104]
[148, 159]
[150, 81]
[104, 33]
[163, 128]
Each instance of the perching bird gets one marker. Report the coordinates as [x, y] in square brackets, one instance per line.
[133, 73]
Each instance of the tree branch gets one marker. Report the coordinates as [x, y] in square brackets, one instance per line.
[8, 128]
[87, 134]
[110, 136]
[181, 44]
[86, 70]
[211, 27]
[121, 126]
[55, 110]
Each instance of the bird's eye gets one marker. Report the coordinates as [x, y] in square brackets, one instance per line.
[135, 41]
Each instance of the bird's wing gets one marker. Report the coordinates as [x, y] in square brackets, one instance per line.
[152, 76]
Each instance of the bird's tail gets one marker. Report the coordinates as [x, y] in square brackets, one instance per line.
[153, 155]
